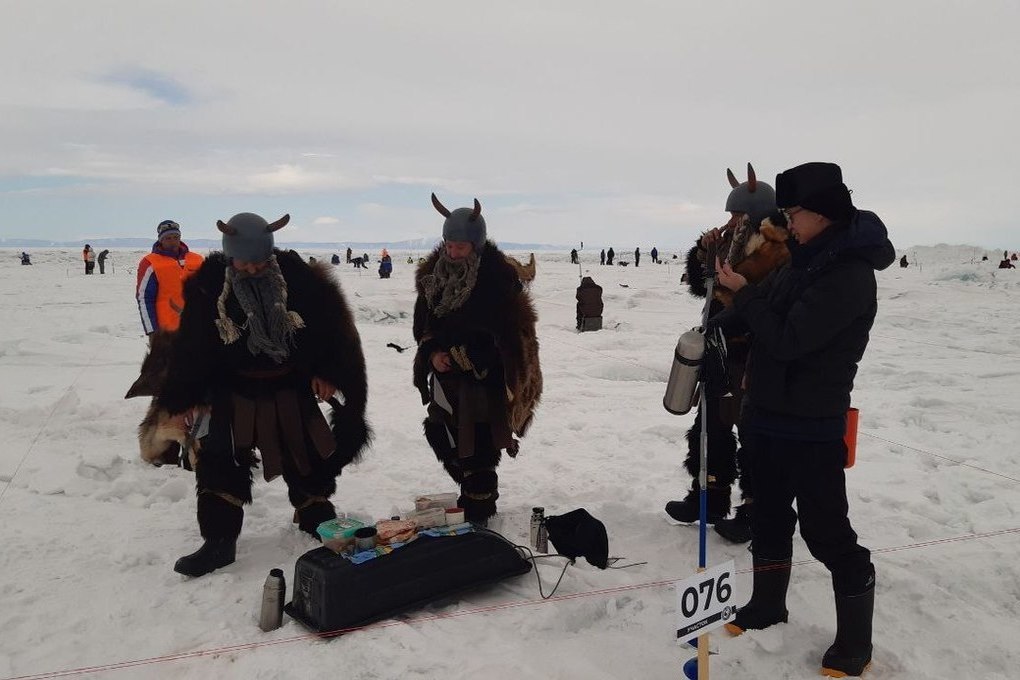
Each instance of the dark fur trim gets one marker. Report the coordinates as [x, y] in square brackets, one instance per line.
[722, 452]
[696, 272]
[217, 518]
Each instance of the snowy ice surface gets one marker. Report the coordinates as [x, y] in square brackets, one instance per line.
[90, 533]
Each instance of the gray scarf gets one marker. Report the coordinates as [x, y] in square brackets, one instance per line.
[263, 298]
[450, 284]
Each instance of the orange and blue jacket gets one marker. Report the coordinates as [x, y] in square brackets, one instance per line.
[160, 290]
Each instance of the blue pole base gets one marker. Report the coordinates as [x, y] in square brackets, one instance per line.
[691, 669]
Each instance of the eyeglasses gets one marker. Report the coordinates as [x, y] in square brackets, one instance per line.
[790, 212]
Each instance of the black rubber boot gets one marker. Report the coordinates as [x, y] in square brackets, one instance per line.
[738, 529]
[850, 654]
[220, 523]
[767, 606]
[689, 509]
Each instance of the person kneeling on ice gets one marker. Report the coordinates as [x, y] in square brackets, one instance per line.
[262, 335]
[477, 363]
[810, 321]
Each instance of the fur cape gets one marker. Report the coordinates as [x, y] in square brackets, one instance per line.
[328, 347]
[763, 251]
[498, 307]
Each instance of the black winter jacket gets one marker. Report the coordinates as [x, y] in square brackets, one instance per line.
[811, 320]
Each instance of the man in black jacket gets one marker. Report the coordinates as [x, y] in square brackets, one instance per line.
[810, 321]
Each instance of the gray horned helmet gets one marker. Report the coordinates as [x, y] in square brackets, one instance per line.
[463, 224]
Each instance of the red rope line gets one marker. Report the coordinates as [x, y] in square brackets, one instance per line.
[452, 615]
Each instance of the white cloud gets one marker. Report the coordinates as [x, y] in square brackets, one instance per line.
[321, 221]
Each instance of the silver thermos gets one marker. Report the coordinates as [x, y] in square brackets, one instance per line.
[273, 594]
[539, 535]
[682, 388]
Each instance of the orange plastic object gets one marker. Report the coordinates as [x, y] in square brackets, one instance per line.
[850, 438]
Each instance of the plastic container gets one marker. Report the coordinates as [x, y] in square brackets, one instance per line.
[454, 516]
[850, 438]
[339, 527]
[435, 500]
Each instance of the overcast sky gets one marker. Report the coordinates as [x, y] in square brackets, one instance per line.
[570, 120]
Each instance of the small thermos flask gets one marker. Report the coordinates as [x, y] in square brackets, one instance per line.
[539, 537]
[273, 594]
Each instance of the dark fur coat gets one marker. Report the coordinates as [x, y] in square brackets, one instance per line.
[499, 313]
[328, 347]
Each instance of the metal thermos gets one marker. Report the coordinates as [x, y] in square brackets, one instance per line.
[539, 533]
[273, 594]
[681, 390]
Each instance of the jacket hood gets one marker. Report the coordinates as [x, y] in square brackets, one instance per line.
[864, 237]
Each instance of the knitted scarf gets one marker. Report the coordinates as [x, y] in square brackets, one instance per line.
[450, 284]
[263, 299]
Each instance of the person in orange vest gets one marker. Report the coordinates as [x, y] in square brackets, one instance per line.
[89, 257]
[161, 275]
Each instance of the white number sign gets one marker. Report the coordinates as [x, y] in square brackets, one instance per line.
[705, 601]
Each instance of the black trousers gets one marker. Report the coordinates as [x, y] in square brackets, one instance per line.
[810, 473]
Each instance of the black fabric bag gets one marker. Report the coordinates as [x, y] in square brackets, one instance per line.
[332, 594]
[577, 534]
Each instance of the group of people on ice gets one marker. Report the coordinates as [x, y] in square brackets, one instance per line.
[260, 335]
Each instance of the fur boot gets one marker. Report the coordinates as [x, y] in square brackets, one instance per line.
[220, 522]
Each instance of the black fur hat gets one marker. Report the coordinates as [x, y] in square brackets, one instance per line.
[818, 187]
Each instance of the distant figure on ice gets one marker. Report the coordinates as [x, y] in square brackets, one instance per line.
[25, 259]
[610, 254]
[263, 336]
[159, 288]
[477, 365]
[335, 259]
[358, 263]
[984, 258]
[655, 255]
[1013, 257]
[903, 262]
[89, 257]
[602, 256]
[637, 257]
[385, 265]
[589, 305]
[348, 255]
[103, 254]
[1006, 263]
[573, 256]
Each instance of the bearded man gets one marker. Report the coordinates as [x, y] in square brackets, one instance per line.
[477, 364]
[262, 335]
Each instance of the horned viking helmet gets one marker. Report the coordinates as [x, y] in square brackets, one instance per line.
[756, 199]
[463, 224]
[247, 237]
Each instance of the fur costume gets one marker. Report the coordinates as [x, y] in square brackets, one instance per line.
[754, 253]
[256, 400]
[490, 395]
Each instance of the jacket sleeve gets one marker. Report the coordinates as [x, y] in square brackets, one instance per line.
[824, 309]
[147, 286]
